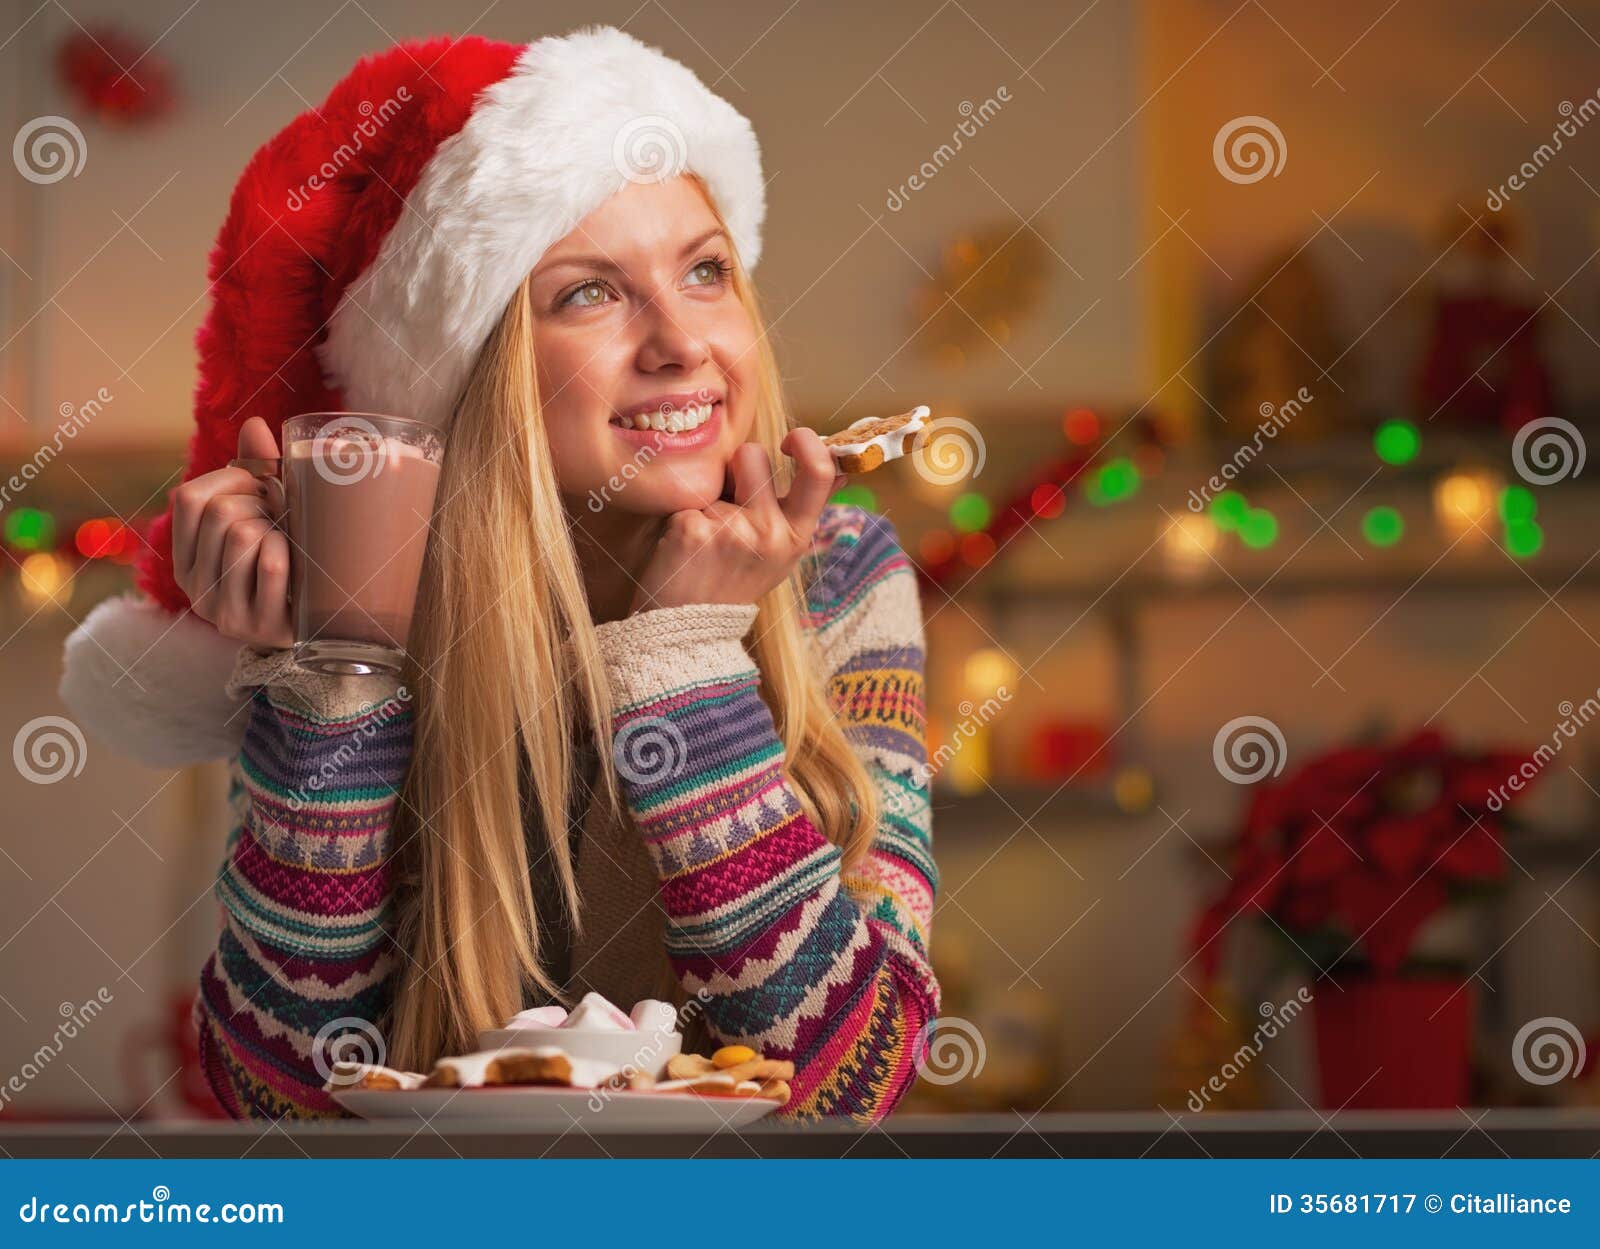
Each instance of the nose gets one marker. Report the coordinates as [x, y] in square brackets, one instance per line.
[669, 340]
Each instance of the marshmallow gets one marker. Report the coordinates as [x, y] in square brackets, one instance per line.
[594, 1012]
[651, 1015]
[538, 1017]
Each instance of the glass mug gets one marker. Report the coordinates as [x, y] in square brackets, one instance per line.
[357, 489]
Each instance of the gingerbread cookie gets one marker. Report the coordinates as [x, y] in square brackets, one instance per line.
[875, 440]
[354, 1075]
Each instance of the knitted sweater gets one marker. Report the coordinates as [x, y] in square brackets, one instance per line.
[787, 953]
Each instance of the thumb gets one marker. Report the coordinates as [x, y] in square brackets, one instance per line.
[256, 441]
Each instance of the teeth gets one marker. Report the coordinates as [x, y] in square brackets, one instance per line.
[673, 421]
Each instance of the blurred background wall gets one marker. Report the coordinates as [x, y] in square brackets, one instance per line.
[1083, 278]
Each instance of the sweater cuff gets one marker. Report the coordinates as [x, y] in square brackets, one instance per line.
[669, 648]
[313, 693]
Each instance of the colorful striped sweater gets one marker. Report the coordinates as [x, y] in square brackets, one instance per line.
[787, 953]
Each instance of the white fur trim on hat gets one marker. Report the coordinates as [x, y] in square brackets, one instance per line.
[151, 685]
[578, 118]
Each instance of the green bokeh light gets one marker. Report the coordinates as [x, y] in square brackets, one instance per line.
[1383, 526]
[1116, 480]
[1259, 529]
[29, 529]
[970, 512]
[1517, 504]
[1524, 538]
[856, 496]
[1397, 442]
[1228, 510]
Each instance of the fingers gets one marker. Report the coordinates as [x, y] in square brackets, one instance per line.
[189, 504]
[814, 475]
[270, 604]
[209, 564]
[751, 470]
[256, 441]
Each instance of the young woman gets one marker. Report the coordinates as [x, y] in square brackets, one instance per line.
[661, 728]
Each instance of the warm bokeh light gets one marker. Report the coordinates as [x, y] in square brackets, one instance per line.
[1188, 545]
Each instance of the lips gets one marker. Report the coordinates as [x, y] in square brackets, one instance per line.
[668, 417]
[683, 428]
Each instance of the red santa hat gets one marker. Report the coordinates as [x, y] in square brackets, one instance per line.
[369, 250]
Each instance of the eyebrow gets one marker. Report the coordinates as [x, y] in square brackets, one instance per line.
[603, 262]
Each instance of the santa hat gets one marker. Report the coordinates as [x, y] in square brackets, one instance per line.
[369, 250]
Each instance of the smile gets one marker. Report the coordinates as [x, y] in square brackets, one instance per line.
[667, 429]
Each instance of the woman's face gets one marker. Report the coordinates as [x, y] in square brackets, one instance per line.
[645, 353]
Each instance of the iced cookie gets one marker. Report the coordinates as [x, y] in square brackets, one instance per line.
[874, 440]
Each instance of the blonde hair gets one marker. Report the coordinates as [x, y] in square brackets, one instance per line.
[507, 677]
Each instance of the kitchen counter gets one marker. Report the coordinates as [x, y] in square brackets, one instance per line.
[1464, 1133]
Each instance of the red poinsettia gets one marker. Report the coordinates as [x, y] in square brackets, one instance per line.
[113, 75]
[1354, 852]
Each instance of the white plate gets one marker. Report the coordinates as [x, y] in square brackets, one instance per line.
[538, 1108]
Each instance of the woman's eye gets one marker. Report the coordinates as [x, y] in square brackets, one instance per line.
[708, 271]
[581, 297]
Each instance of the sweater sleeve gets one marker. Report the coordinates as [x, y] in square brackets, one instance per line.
[302, 958]
[790, 955]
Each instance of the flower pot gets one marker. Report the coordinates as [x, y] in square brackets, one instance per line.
[1386, 1043]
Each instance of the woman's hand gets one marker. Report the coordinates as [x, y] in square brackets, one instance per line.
[736, 552]
[228, 556]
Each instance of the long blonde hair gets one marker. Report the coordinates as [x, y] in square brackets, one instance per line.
[507, 679]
